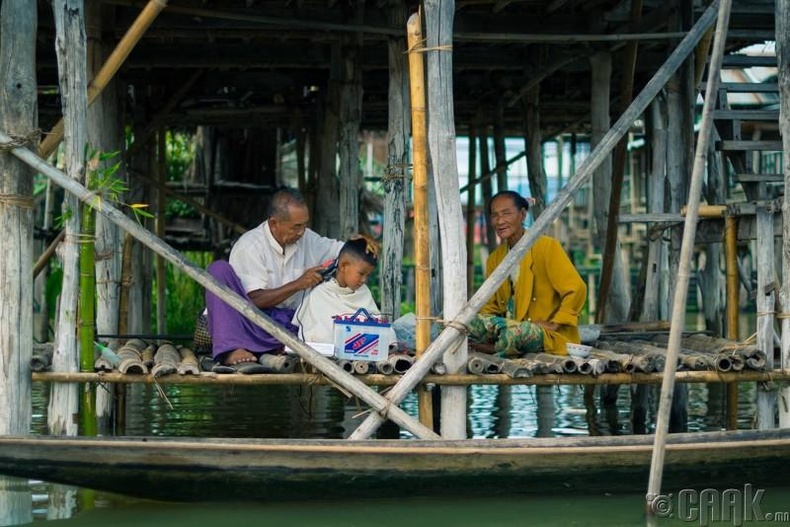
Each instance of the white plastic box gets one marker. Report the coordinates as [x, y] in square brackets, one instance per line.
[362, 337]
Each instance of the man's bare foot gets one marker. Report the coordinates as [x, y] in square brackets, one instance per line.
[238, 356]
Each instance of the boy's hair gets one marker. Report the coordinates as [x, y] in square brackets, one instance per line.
[358, 250]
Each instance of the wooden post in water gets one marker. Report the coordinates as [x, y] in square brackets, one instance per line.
[766, 287]
[420, 177]
[655, 204]
[452, 334]
[783, 61]
[105, 133]
[687, 250]
[18, 116]
[441, 138]
[396, 179]
[70, 46]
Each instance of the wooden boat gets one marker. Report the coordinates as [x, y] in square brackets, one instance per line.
[192, 469]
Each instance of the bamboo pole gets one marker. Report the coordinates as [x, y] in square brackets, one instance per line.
[420, 181]
[732, 286]
[108, 70]
[451, 336]
[87, 309]
[327, 367]
[687, 248]
[462, 379]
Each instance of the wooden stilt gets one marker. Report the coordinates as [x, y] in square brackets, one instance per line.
[70, 45]
[18, 114]
[441, 136]
[396, 180]
[783, 80]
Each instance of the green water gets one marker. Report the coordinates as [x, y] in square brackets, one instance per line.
[600, 510]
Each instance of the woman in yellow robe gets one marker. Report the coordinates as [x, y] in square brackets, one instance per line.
[538, 308]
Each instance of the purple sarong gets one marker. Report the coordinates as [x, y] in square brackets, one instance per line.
[229, 329]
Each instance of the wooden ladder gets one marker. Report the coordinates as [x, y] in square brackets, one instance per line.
[749, 130]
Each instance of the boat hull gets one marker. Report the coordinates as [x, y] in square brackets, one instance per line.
[192, 469]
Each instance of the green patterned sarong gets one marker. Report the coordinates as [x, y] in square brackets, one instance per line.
[511, 338]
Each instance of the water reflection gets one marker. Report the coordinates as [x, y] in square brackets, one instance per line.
[322, 412]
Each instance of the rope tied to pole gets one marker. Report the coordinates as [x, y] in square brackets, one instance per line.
[456, 325]
[23, 202]
[79, 238]
[18, 141]
[419, 47]
[397, 171]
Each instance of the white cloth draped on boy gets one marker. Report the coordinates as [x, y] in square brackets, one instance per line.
[315, 315]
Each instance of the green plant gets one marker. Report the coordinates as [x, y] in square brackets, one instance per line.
[185, 297]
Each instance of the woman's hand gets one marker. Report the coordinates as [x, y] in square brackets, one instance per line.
[551, 326]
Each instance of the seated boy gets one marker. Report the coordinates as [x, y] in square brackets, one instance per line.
[342, 294]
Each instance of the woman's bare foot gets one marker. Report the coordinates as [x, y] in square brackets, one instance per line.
[238, 356]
